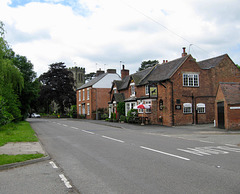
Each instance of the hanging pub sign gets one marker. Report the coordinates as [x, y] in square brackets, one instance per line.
[153, 90]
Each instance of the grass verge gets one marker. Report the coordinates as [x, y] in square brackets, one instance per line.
[9, 159]
[17, 132]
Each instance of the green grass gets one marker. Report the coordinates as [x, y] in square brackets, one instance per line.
[9, 159]
[17, 132]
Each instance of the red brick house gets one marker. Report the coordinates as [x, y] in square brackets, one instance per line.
[94, 94]
[180, 92]
[227, 106]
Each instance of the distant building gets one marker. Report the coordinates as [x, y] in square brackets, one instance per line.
[78, 76]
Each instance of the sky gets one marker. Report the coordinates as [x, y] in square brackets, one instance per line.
[105, 34]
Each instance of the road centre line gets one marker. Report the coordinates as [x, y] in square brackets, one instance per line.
[74, 127]
[65, 125]
[66, 182]
[206, 141]
[165, 153]
[118, 140]
[53, 164]
[88, 132]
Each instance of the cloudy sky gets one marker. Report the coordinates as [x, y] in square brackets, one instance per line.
[100, 33]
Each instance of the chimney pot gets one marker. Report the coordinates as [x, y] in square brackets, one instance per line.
[164, 61]
[184, 52]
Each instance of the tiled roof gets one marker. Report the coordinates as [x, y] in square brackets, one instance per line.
[164, 71]
[231, 92]
[93, 81]
[118, 97]
[210, 63]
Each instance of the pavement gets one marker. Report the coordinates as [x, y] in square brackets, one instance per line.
[36, 147]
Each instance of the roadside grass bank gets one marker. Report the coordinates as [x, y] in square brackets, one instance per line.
[17, 132]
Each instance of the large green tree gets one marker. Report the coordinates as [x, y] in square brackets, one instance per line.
[147, 64]
[11, 83]
[31, 88]
[57, 86]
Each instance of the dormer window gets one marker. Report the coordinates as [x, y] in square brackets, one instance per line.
[191, 79]
[114, 90]
[132, 87]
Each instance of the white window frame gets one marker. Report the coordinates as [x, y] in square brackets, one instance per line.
[187, 108]
[88, 109]
[201, 108]
[129, 106]
[132, 88]
[88, 94]
[83, 93]
[114, 90]
[148, 102]
[139, 102]
[191, 79]
[146, 89]
[79, 95]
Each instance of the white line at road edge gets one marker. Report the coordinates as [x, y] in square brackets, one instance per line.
[66, 182]
[118, 140]
[88, 132]
[168, 154]
[53, 164]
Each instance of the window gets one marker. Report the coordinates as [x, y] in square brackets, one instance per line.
[132, 87]
[129, 106]
[147, 89]
[191, 80]
[114, 90]
[79, 95]
[148, 102]
[187, 108]
[200, 108]
[140, 110]
[88, 109]
[83, 94]
[88, 94]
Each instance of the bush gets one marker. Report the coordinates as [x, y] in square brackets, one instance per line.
[131, 115]
[122, 118]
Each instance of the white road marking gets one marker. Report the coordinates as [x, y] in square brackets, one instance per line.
[59, 123]
[65, 125]
[165, 153]
[74, 127]
[113, 139]
[66, 182]
[88, 132]
[231, 145]
[53, 164]
[200, 151]
[204, 141]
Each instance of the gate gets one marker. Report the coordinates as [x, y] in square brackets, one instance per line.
[220, 109]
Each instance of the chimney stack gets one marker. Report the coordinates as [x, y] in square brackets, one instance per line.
[99, 72]
[184, 52]
[124, 72]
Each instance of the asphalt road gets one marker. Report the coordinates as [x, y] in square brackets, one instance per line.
[103, 159]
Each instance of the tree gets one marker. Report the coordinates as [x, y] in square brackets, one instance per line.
[31, 88]
[11, 83]
[147, 64]
[57, 86]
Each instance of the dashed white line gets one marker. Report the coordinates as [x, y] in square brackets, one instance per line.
[206, 141]
[53, 164]
[74, 127]
[65, 125]
[66, 182]
[231, 145]
[165, 153]
[88, 132]
[118, 140]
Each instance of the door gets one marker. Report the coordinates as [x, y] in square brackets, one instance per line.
[220, 109]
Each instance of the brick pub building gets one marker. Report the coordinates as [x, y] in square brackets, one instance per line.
[180, 92]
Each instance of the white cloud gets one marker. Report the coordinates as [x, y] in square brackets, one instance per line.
[106, 32]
